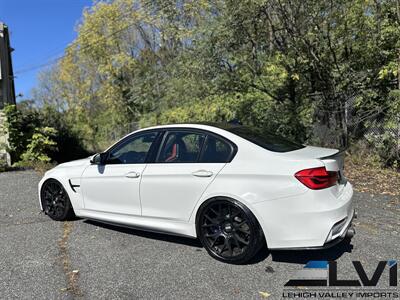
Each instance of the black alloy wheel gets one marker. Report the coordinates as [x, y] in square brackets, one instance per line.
[229, 231]
[55, 201]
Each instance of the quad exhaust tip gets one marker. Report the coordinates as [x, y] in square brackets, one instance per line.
[351, 231]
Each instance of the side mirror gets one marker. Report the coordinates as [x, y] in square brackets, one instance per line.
[99, 158]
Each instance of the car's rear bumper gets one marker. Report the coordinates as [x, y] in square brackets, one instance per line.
[348, 232]
[313, 220]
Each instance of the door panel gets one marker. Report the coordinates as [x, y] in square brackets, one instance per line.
[112, 188]
[188, 161]
[171, 190]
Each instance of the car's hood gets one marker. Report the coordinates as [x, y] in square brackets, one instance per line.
[75, 163]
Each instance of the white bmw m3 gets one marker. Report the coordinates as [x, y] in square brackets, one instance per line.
[233, 187]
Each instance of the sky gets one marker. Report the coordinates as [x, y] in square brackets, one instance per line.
[40, 30]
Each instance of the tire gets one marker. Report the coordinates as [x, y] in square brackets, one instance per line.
[55, 201]
[229, 231]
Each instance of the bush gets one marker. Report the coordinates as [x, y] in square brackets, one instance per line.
[385, 138]
[40, 135]
[40, 145]
[20, 125]
[69, 144]
[387, 147]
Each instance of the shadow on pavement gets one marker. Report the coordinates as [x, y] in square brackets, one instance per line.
[304, 256]
[288, 256]
[150, 235]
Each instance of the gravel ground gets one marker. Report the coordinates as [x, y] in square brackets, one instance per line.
[43, 259]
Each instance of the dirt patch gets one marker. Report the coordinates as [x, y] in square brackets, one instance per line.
[71, 275]
[372, 179]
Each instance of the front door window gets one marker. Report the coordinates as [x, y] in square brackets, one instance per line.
[132, 151]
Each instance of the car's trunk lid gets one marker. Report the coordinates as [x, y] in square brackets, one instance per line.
[311, 152]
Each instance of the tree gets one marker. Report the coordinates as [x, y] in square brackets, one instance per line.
[288, 66]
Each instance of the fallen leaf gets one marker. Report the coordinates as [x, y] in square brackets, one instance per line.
[264, 294]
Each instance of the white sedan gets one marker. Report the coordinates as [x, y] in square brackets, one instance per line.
[233, 187]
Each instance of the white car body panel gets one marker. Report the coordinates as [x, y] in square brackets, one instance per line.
[166, 196]
[170, 191]
[112, 188]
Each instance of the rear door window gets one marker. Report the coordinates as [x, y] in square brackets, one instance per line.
[215, 151]
[181, 147]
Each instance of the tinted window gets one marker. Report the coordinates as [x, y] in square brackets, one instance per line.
[265, 139]
[215, 151]
[133, 150]
[181, 147]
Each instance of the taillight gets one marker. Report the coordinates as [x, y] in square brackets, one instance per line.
[317, 178]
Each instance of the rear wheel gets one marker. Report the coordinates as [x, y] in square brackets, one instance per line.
[55, 201]
[229, 231]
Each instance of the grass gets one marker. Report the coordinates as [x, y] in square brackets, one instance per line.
[5, 168]
[40, 167]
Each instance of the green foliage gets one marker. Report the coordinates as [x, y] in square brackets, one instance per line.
[41, 144]
[286, 66]
[28, 126]
[253, 108]
[3, 166]
[213, 109]
[20, 125]
[387, 141]
[69, 144]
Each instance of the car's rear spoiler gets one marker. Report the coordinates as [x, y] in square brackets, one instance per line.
[339, 153]
[335, 159]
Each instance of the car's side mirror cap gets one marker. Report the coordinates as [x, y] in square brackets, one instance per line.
[98, 159]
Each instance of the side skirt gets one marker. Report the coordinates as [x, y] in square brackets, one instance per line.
[157, 225]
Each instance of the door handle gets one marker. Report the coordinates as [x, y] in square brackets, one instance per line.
[132, 175]
[202, 173]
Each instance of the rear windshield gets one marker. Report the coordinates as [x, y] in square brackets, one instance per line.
[265, 139]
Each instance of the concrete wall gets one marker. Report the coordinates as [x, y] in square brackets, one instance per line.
[4, 156]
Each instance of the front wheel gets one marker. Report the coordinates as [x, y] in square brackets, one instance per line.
[55, 201]
[229, 231]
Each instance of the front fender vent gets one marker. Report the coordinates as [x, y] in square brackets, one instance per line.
[73, 186]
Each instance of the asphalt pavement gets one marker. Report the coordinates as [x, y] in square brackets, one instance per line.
[44, 259]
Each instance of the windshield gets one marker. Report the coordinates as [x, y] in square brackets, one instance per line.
[265, 139]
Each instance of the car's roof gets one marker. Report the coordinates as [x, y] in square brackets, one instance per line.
[218, 128]
[234, 132]
[204, 125]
